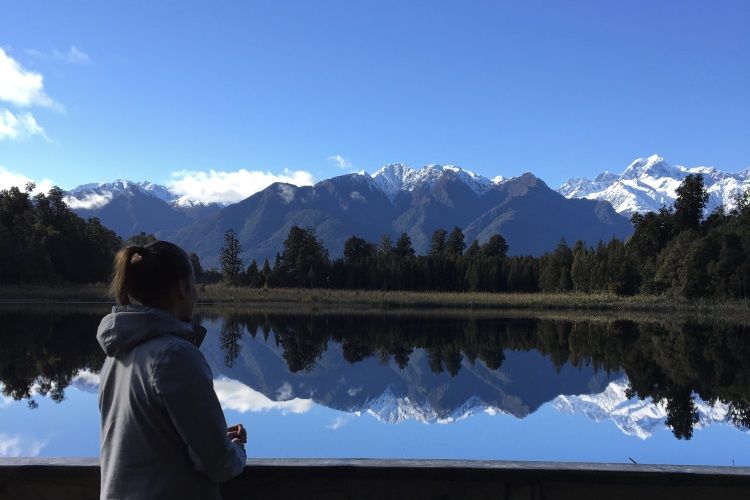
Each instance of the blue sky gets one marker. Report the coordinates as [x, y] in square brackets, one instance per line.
[144, 90]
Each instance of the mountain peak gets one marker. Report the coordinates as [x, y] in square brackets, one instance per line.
[653, 166]
[97, 194]
[397, 177]
[648, 183]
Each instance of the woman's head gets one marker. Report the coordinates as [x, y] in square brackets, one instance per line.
[156, 275]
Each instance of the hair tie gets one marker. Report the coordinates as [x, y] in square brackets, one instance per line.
[138, 254]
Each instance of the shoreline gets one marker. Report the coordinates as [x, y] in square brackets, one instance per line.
[222, 295]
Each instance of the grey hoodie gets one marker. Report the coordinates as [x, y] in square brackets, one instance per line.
[163, 433]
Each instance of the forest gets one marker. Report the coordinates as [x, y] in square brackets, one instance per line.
[675, 251]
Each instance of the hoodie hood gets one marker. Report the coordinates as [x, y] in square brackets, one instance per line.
[127, 326]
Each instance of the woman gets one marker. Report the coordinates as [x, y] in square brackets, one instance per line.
[163, 433]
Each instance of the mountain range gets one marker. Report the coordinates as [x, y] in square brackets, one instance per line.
[633, 416]
[129, 208]
[397, 198]
[647, 184]
[531, 216]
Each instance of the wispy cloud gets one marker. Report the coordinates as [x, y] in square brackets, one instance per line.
[338, 423]
[19, 126]
[21, 87]
[341, 162]
[15, 445]
[89, 201]
[217, 186]
[234, 395]
[9, 179]
[284, 392]
[73, 55]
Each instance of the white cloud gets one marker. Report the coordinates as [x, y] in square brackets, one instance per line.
[13, 445]
[86, 380]
[217, 186]
[89, 201]
[284, 392]
[341, 162]
[19, 86]
[20, 126]
[235, 395]
[74, 55]
[286, 193]
[338, 423]
[10, 179]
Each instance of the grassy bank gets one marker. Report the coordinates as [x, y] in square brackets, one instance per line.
[320, 298]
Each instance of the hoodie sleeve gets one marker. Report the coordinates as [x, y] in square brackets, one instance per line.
[183, 382]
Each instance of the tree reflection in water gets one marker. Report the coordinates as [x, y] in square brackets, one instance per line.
[669, 361]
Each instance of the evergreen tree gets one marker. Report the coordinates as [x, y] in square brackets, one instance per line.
[197, 268]
[691, 200]
[266, 273]
[403, 248]
[455, 245]
[231, 263]
[141, 239]
[437, 244]
[304, 261]
[252, 275]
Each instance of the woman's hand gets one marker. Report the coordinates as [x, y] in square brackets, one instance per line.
[237, 434]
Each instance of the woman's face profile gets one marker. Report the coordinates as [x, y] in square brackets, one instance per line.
[192, 296]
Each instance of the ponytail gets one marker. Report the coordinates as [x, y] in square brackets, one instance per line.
[145, 273]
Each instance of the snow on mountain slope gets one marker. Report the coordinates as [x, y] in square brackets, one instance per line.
[96, 195]
[632, 416]
[398, 177]
[647, 184]
[392, 409]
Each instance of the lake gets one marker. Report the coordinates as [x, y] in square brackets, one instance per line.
[413, 384]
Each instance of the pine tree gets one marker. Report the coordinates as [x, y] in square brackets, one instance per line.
[197, 268]
[456, 243]
[691, 200]
[266, 272]
[231, 263]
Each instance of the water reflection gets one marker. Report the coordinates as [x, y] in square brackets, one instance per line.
[429, 367]
[44, 349]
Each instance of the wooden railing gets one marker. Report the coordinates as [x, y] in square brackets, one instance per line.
[72, 478]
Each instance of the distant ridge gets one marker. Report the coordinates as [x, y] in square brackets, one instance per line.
[395, 199]
[649, 183]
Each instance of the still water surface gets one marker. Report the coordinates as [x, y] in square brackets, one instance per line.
[427, 384]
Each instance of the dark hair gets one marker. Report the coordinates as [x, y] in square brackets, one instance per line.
[146, 273]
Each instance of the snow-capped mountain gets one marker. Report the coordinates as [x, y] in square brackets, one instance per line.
[394, 200]
[392, 409]
[129, 208]
[397, 177]
[633, 416]
[96, 195]
[647, 184]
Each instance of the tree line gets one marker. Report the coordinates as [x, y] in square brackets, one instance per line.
[670, 362]
[43, 241]
[674, 251]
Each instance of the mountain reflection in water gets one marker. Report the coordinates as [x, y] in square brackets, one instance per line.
[427, 366]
